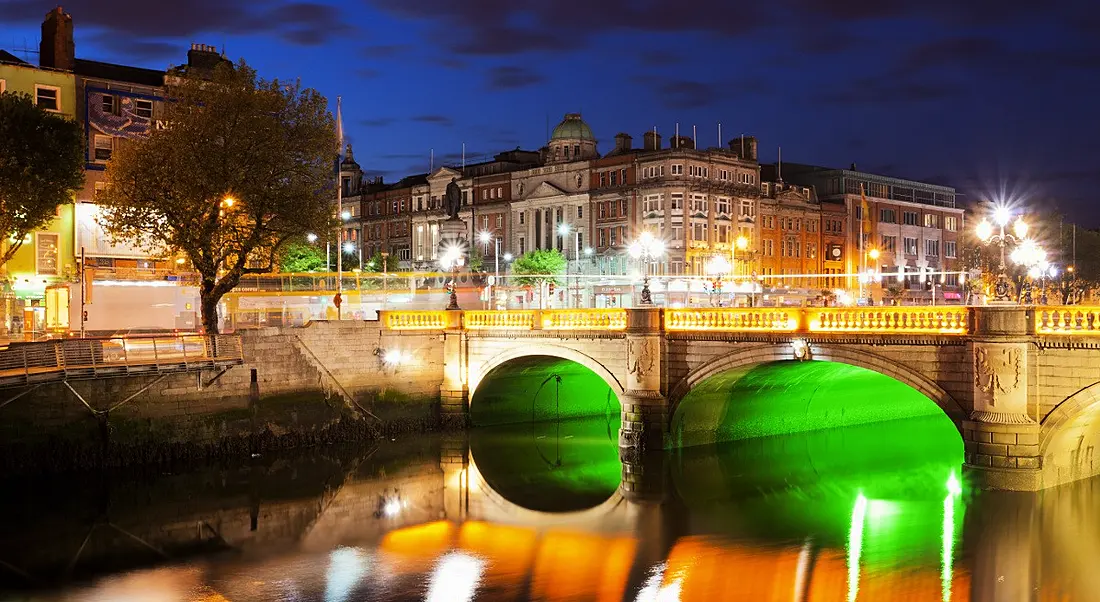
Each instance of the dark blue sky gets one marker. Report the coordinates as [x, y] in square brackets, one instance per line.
[984, 95]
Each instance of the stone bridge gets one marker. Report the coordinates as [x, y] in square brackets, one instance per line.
[1021, 384]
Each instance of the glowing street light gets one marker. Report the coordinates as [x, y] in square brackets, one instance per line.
[985, 231]
[873, 254]
[507, 257]
[311, 237]
[349, 247]
[228, 201]
[646, 248]
[452, 259]
[345, 215]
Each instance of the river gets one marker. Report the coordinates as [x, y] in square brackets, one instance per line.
[547, 512]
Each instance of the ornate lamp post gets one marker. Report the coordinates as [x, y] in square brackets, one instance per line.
[1002, 290]
[646, 248]
[451, 260]
[1033, 258]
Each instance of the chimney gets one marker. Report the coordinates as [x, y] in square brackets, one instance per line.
[204, 57]
[623, 142]
[651, 141]
[853, 167]
[683, 142]
[57, 49]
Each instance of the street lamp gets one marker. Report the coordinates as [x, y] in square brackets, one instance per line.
[484, 237]
[646, 248]
[451, 259]
[311, 237]
[563, 230]
[985, 232]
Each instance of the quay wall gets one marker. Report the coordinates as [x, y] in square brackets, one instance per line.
[328, 382]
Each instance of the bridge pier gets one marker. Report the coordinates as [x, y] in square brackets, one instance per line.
[644, 405]
[1001, 437]
[454, 393]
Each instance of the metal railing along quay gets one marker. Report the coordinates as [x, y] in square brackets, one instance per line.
[24, 364]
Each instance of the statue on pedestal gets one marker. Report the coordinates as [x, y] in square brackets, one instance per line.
[452, 200]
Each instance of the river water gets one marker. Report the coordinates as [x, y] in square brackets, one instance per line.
[876, 512]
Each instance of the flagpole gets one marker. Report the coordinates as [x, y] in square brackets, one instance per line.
[339, 211]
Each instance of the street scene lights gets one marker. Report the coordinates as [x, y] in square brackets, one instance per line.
[563, 231]
[485, 237]
[451, 260]
[717, 268]
[311, 237]
[1002, 290]
[1033, 258]
[646, 248]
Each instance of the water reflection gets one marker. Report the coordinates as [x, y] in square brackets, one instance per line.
[826, 516]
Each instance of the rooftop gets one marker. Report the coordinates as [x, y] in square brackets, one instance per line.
[123, 73]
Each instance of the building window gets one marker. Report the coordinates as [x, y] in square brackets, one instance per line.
[909, 218]
[500, 192]
[722, 206]
[500, 220]
[45, 259]
[931, 220]
[889, 244]
[949, 248]
[484, 194]
[910, 245]
[143, 108]
[887, 216]
[522, 217]
[676, 201]
[769, 247]
[932, 248]
[612, 178]
[103, 148]
[110, 104]
[811, 250]
[677, 170]
[951, 224]
[580, 211]
[47, 97]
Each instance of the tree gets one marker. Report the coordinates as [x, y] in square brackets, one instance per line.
[300, 257]
[41, 167]
[245, 167]
[538, 268]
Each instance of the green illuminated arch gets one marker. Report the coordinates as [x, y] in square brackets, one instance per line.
[546, 434]
[781, 397]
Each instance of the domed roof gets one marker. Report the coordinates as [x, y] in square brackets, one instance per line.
[572, 128]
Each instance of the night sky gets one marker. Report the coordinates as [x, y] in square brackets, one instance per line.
[990, 96]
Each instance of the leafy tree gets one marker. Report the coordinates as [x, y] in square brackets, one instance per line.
[374, 263]
[299, 257]
[477, 260]
[245, 168]
[41, 167]
[538, 267]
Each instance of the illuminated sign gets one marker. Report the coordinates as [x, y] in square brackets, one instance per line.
[91, 235]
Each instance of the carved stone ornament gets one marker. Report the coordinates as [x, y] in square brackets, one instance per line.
[640, 357]
[997, 374]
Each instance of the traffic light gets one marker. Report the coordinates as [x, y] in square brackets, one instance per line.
[551, 288]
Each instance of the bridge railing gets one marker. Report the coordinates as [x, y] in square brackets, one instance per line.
[51, 360]
[950, 320]
[1069, 320]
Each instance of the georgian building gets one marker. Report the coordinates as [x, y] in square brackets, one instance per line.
[791, 247]
[912, 227]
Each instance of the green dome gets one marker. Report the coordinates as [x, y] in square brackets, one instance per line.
[572, 128]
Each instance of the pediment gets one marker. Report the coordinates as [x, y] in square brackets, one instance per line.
[791, 195]
[444, 173]
[546, 190]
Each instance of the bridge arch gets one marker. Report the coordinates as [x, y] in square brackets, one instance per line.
[762, 354]
[1068, 437]
[479, 372]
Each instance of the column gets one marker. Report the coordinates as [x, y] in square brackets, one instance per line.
[644, 406]
[1001, 437]
[454, 396]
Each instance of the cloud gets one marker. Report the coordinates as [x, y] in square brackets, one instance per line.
[660, 57]
[510, 77]
[385, 51]
[148, 29]
[879, 91]
[433, 119]
[377, 122]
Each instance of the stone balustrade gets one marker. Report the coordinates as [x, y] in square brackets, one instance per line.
[889, 320]
[1073, 320]
[733, 319]
[860, 320]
